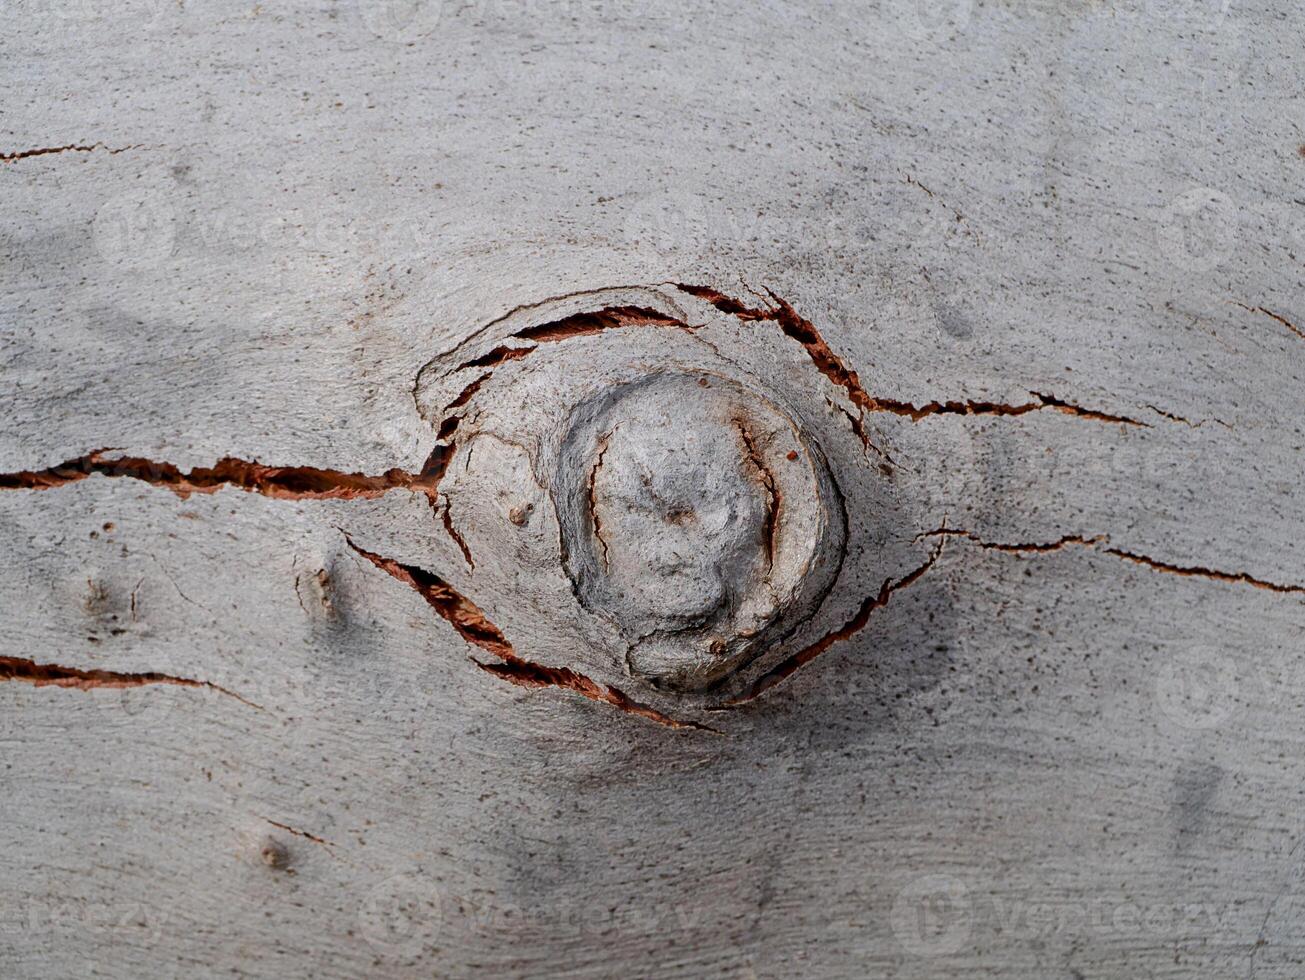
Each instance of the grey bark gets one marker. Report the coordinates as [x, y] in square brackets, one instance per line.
[1026, 276]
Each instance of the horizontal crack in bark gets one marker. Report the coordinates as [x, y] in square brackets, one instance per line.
[474, 627]
[576, 325]
[47, 675]
[281, 482]
[69, 148]
[832, 367]
[849, 629]
[608, 318]
[1101, 544]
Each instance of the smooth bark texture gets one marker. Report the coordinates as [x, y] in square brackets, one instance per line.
[300, 676]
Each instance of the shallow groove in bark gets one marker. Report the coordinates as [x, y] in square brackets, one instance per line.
[773, 496]
[474, 627]
[54, 675]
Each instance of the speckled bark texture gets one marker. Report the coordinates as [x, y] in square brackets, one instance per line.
[556, 489]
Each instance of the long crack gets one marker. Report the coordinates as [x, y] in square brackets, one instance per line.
[849, 629]
[1101, 544]
[68, 148]
[832, 367]
[281, 482]
[47, 675]
[474, 626]
[576, 325]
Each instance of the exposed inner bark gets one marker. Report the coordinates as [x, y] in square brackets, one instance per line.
[43, 675]
[282, 482]
[475, 627]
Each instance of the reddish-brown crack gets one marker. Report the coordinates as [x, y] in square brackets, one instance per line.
[976, 407]
[767, 478]
[447, 519]
[1239, 578]
[608, 318]
[69, 148]
[281, 482]
[1275, 316]
[1101, 543]
[523, 673]
[46, 675]
[457, 610]
[497, 356]
[473, 626]
[805, 333]
[468, 392]
[832, 367]
[576, 325]
[844, 632]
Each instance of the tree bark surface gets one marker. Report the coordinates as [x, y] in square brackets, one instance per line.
[277, 698]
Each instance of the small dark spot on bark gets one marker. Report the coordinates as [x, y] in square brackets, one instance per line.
[275, 855]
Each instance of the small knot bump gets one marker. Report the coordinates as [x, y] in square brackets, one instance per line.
[274, 854]
[683, 526]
